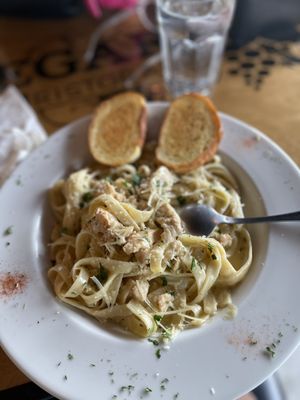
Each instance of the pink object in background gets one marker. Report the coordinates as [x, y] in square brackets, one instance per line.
[95, 6]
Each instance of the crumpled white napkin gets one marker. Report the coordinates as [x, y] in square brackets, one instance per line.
[20, 130]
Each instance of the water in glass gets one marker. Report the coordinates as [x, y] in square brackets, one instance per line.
[192, 39]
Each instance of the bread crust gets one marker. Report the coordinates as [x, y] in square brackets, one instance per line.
[137, 139]
[203, 156]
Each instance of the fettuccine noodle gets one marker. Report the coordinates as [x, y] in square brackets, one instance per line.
[120, 251]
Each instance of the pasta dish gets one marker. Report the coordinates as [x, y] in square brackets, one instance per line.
[120, 251]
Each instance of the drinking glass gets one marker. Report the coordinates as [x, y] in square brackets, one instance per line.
[192, 40]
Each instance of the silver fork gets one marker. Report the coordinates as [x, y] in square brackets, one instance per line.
[201, 219]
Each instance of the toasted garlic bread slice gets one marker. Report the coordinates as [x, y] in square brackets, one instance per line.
[190, 133]
[117, 130]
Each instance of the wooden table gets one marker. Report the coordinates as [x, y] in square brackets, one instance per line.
[259, 83]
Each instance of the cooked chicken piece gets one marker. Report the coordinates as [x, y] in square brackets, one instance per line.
[109, 228]
[225, 239]
[105, 187]
[174, 249]
[163, 301]
[170, 221]
[135, 243]
[143, 256]
[140, 290]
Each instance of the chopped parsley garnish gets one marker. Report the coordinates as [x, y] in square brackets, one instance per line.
[163, 383]
[92, 365]
[18, 182]
[8, 231]
[114, 396]
[155, 342]
[58, 364]
[110, 373]
[129, 388]
[176, 395]
[87, 197]
[172, 293]
[65, 378]
[70, 356]
[213, 256]
[157, 353]
[102, 276]
[164, 281]
[280, 334]
[210, 247]
[193, 264]
[64, 230]
[136, 179]
[157, 318]
[167, 333]
[270, 350]
[7, 244]
[181, 200]
[147, 390]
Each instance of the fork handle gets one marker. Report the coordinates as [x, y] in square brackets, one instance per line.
[294, 216]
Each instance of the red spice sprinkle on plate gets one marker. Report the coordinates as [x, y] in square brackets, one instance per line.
[12, 284]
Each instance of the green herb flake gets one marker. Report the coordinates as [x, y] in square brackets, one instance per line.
[87, 197]
[193, 264]
[158, 353]
[280, 334]
[102, 276]
[70, 356]
[128, 388]
[167, 333]
[210, 247]
[18, 182]
[8, 231]
[7, 244]
[157, 318]
[270, 352]
[181, 200]
[155, 342]
[65, 378]
[164, 281]
[176, 395]
[136, 180]
[134, 375]
[58, 364]
[127, 185]
[147, 390]
[114, 397]
[166, 380]
[92, 365]
[213, 256]
[64, 230]
[110, 373]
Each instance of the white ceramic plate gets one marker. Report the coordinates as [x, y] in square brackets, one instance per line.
[223, 360]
